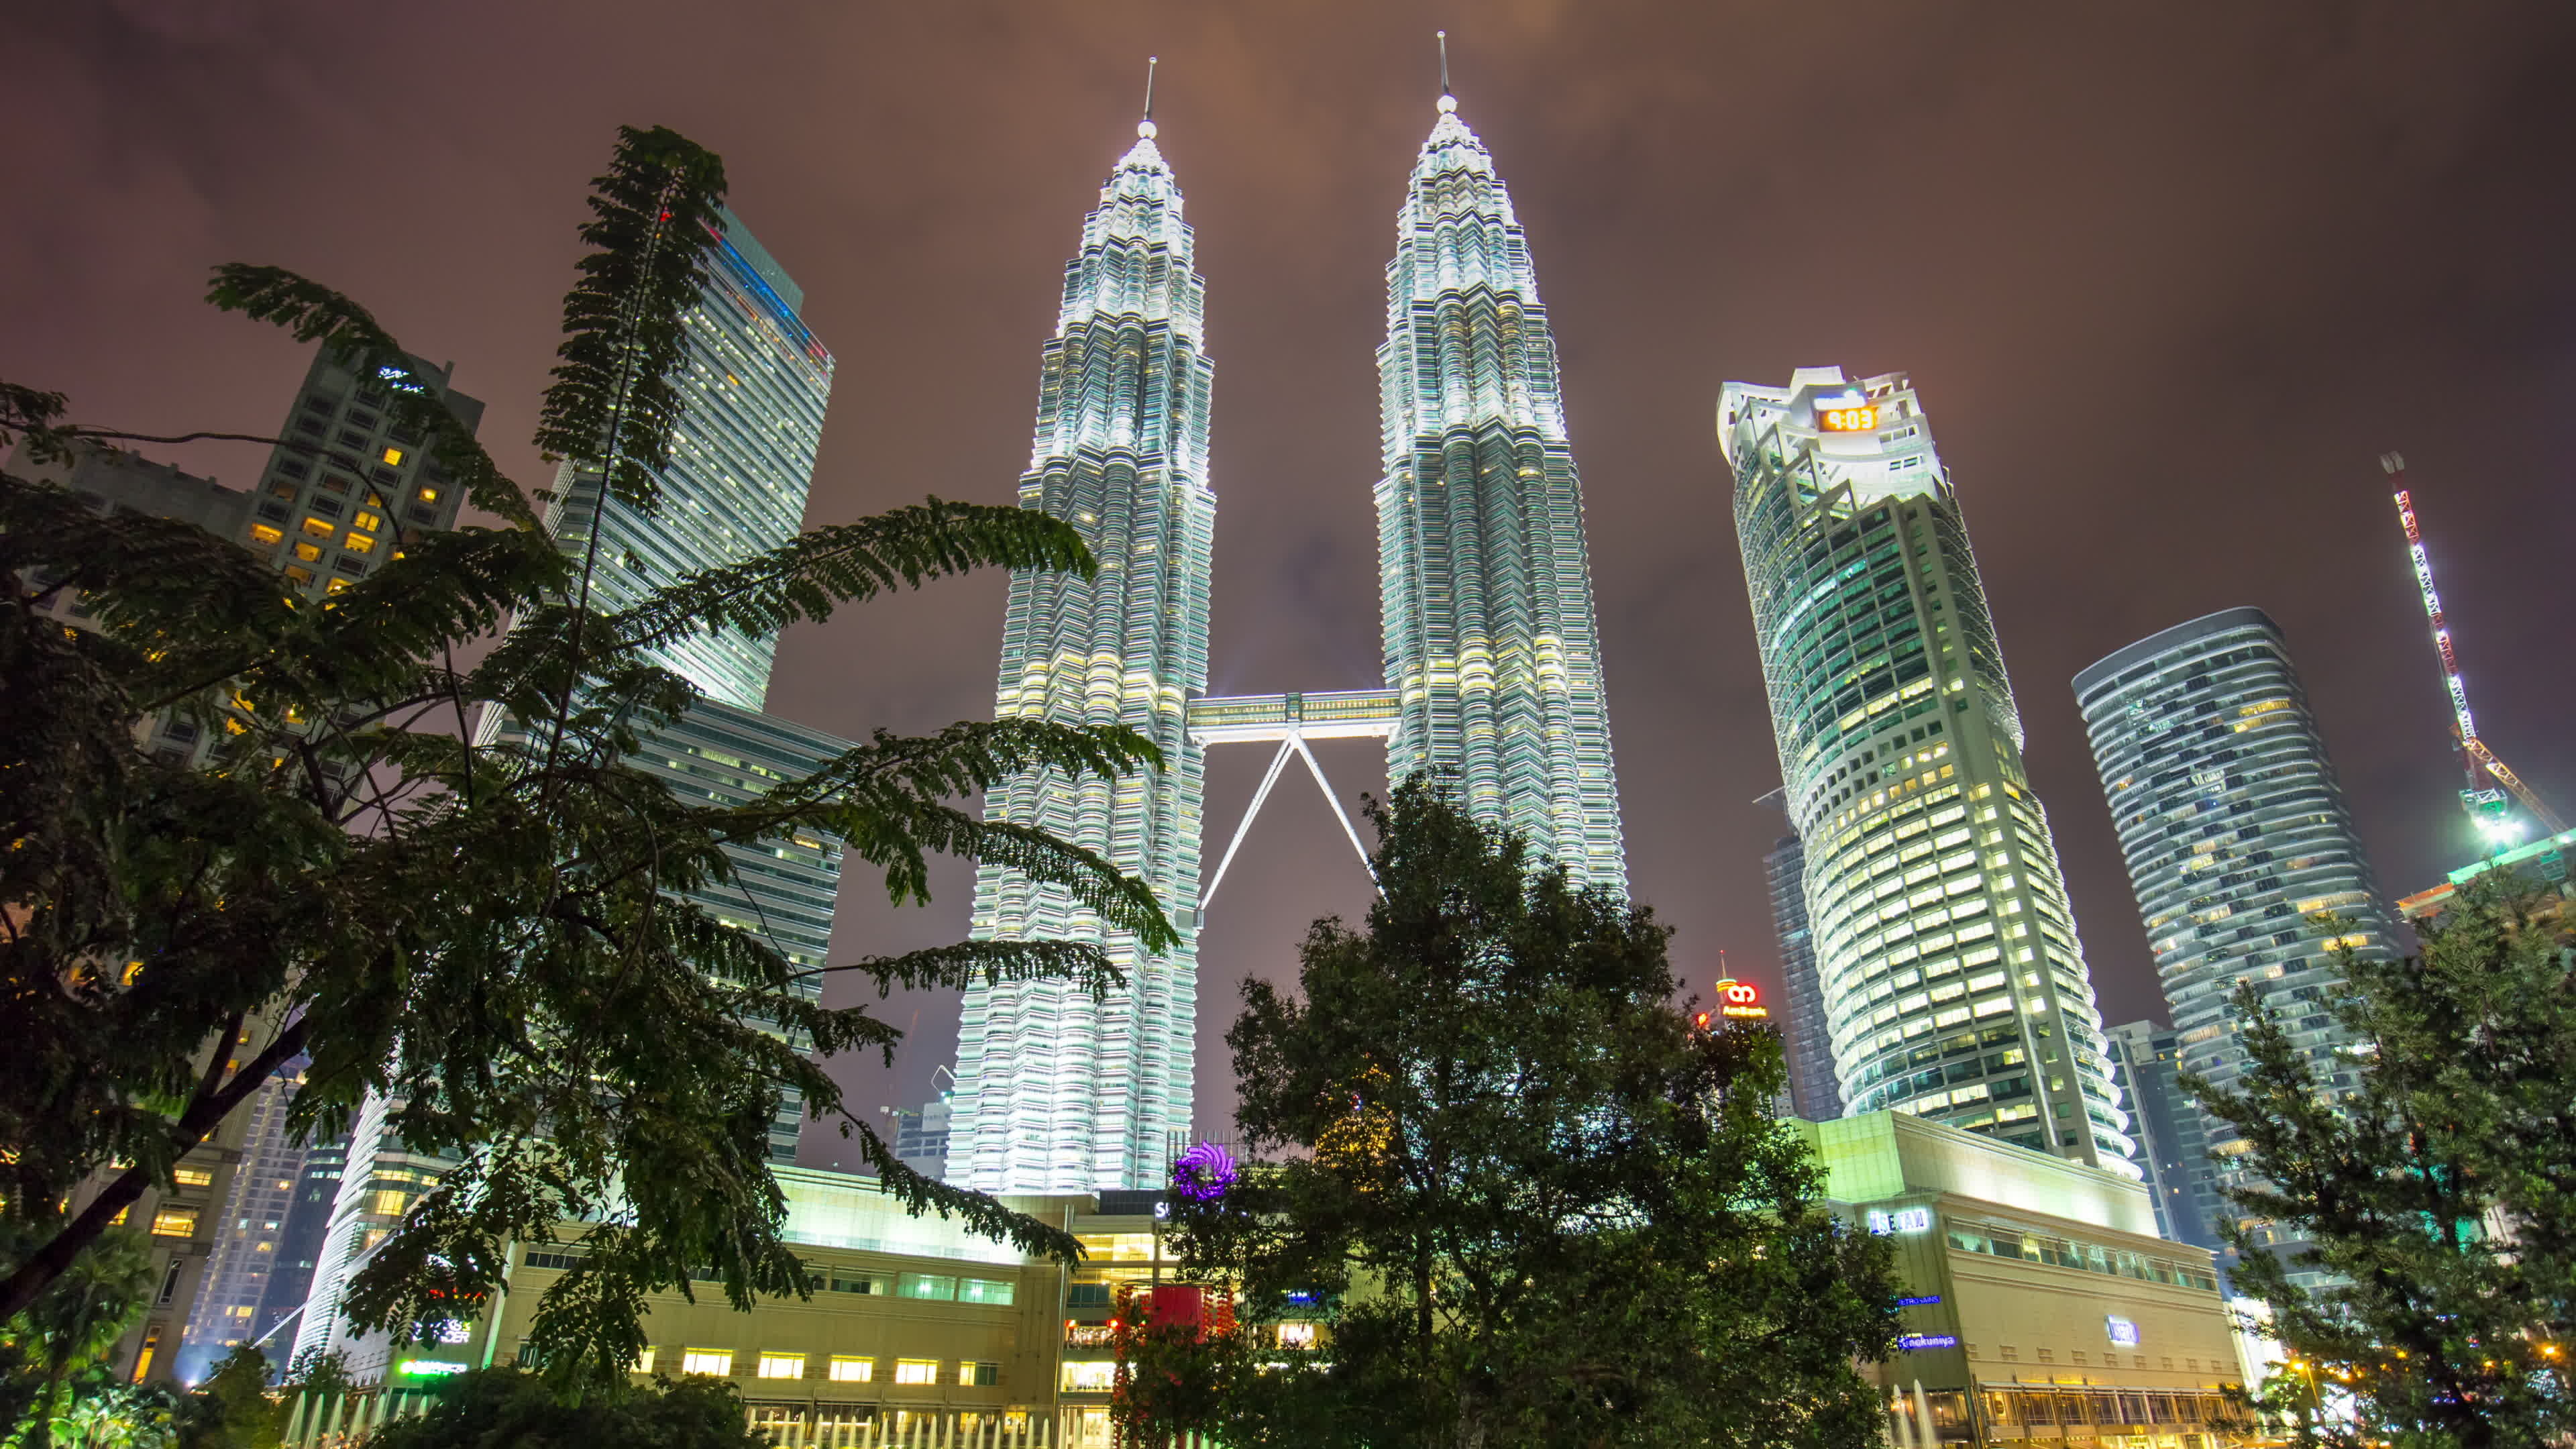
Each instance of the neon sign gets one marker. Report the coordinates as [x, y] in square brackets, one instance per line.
[1741, 999]
[1903, 1220]
[429, 1368]
[1925, 1300]
[1916, 1342]
[2124, 1333]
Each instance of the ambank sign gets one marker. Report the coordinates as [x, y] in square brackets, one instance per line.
[1740, 999]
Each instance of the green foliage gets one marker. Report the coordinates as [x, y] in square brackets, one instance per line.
[53, 1351]
[233, 1408]
[494, 937]
[1539, 1206]
[507, 1406]
[2435, 1199]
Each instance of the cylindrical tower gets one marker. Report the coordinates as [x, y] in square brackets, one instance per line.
[2239, 845]
[1953, 982]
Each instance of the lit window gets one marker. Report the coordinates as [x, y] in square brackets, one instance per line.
[971, 1374]
[643, 1362]
[1089, 1378]
[388, 1201]
[262, 533]
[926, 1285]
[1296, 1335]
[336, 585]
[319, 529]
[175, 1223]
[367, 520]
[916, 1370]
[782, 1365]
[985, 1290]
[717, 1361]
[394, 456]
[848, 1370]
[192, 1177]
[298, 573]
[429, 495]
[308, 552]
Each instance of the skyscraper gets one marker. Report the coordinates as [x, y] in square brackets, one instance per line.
[348, 476]
[2238, 842]
[1953, 982]
[1484, 579]
[2172, 1146]
[753, 393]
[1056, 1091]
[1813, 1092]
[742, 459]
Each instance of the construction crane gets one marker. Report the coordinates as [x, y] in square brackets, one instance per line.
[2484, 802]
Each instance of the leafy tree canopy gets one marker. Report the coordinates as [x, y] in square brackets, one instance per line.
[493, 937]
[506, 1406]
[2434, 1200]
[1531, 1202]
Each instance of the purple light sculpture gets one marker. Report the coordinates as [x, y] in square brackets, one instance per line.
[1204, 1173]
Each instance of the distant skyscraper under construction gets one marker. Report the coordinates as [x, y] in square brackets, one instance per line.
[1493, 673]
[1953, 984]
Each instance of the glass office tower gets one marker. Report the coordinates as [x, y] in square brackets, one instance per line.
[2167, 1124]
[1813, 1092]
[742, 459]
[1056, 1091]
[2238, 841]
[1485, 585]
[1953, 982]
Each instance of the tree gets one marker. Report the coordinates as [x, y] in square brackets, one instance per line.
[51, 1351]
[233, 1408]
[2415, 1234]
[494, 937]
[508, 1406]
[1532, 1202]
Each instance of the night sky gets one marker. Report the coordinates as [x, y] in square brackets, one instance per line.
[2169, 279]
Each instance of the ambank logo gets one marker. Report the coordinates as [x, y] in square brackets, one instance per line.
[1740, 999]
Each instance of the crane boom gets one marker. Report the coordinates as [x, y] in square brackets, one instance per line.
[2484, 802]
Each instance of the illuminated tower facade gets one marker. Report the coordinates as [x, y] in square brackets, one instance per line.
[2240, 847]
[1953, 984]
[1485, 583]
[1056, 1091]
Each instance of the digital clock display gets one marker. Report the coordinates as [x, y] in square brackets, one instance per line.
[1845, 415]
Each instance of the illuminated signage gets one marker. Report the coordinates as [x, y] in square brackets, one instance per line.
[1846, 414]
[1921, 1301]
[1915, 1342]
[1903, 1220]
[2123, 1332]
[1204, 1173]
[429, 1368]
[1740, 999]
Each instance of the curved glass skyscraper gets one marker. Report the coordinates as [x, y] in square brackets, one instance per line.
[1485, 584]
[1953, 983]
[2239, 845]
[1057, 1092]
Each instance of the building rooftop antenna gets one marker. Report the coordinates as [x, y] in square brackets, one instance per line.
[2485, 803]
[1448, 102]
[1145, 127]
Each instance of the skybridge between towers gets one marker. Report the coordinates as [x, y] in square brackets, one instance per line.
[1291, 720]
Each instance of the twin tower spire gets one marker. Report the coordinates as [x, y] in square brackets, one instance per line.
[1492, 668]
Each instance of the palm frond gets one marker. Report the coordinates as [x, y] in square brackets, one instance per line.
[806, 578]
[991, 963]
[612, 407]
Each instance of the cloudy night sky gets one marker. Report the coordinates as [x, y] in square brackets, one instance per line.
[2169, 279]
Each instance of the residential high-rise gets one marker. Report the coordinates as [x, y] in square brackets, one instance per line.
[1953, 982]
[1057, 1091]
[1813, 1092]
[1484, 579]
[2172, 1146]
[248, 1224]
[348, 476]
[742, 459]
[2238, 841]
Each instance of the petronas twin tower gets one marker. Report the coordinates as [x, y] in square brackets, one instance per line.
[1492, 662]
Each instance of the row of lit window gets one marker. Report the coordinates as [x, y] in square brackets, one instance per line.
[839, 1368]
